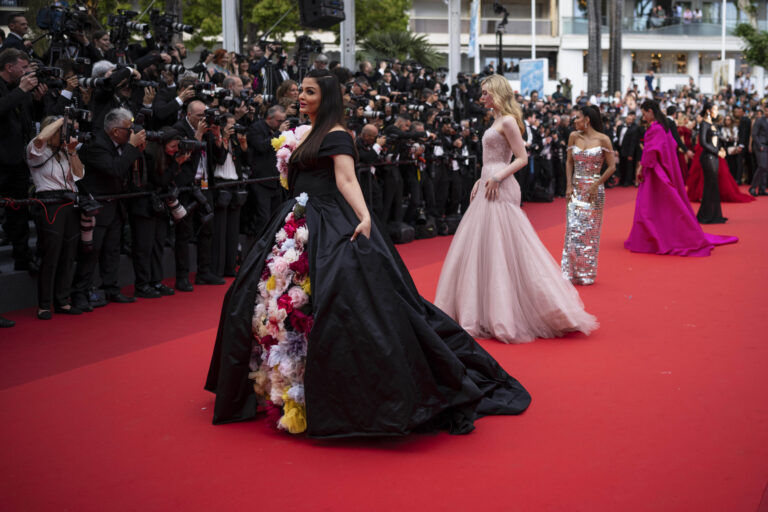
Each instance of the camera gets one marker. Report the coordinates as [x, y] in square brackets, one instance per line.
[165, 25]
[145, 83]
[60, 20]
[213, 117]
[96, 83]
[306, 44]
[240, 129]
[176, 69]
[78, 114]
[190, 146]
[122, 26]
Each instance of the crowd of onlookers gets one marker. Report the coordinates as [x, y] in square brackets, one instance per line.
[191, 143]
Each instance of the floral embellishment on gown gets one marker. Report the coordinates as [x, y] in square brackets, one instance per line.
[282, 320]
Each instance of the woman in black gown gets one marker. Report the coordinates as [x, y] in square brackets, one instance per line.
[710, 211]
[343, 345]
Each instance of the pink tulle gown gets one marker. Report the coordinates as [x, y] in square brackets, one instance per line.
[498, 280]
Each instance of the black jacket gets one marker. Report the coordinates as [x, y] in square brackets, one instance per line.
[107, 171]
[262, 154]
[630, 144]
[216, 155]
[15, 123]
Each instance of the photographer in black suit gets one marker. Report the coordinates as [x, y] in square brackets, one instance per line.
[17, 90]
[263, 198]
[369, 148]
[198, 172]
[109, 160]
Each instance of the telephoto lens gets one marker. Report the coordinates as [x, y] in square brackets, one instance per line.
[178, 211]
[87, 223]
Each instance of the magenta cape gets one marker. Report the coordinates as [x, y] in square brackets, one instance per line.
[664, 220]
[729, 190]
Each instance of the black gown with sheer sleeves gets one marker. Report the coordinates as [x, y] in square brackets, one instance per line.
[380, 360]
[710, 211]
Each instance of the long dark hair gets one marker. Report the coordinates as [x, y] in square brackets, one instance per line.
[653, 106]
[591, 112]
[330, 113]
[158, 159]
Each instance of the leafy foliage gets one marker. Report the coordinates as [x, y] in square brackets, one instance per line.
[756, 41]
[403, 45]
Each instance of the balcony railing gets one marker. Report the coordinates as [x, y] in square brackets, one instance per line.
[659, 26]
[435, 25]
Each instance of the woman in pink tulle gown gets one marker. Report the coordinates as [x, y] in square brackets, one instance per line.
[498, 279]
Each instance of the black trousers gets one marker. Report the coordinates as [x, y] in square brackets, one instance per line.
[226, 235]
[374, 198]
[447, 191]
[186, 229]
[105, 251]
[14, 183]
[263, 202]
[392, 185]
[57, 246]
[760, 176]
[710, 209]
[411, 177]
[148, 245]
[626, 171]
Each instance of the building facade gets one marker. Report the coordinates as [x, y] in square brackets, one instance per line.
[676, 39]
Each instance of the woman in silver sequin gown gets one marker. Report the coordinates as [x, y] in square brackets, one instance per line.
[588, 150]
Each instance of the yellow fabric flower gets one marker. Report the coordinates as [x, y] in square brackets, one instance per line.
[277, 142]
[306, 286]
[284, 182]
[294, 418]
[271, 283]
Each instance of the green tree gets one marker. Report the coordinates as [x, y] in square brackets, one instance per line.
[756, 44]
[401, 44]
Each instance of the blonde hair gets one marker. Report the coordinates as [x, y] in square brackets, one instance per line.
[504, 98]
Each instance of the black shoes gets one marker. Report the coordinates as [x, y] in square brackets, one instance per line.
[183, 285]
[5, 323]
[164, 290]
[208, 278]
[71, 310]
[146, 291]
[120, 298]
[44, 314]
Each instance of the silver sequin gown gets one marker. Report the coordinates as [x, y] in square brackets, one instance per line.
[584, 218]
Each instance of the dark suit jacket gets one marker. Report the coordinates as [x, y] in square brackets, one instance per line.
[216, 156]
[760, 134]
[106, 171]
[745, 130]
[15, 123]
[12, 41]
[262, 154]
[630, 144]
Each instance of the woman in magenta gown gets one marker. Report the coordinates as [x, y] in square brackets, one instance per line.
[664, 221]
[498, 279]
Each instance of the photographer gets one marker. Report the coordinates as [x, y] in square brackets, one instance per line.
[168, 102]
[109, 159]
[228, 201]
[369, 148]
[54, 164]
[446, 167]
[263, 198]
[114, 92]
[149, 215]
[17, 29]
[398, 148]
[68, 93]
[18, 87]
[201, 126]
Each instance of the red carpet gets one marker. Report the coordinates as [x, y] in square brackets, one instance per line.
[663, 408]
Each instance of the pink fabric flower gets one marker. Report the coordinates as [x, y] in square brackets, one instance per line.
[298, 297]
[301, 322]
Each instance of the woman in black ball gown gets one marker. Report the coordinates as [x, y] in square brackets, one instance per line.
[324, 330]
[710, 211]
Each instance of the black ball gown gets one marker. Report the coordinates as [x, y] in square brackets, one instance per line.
[377, 360]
